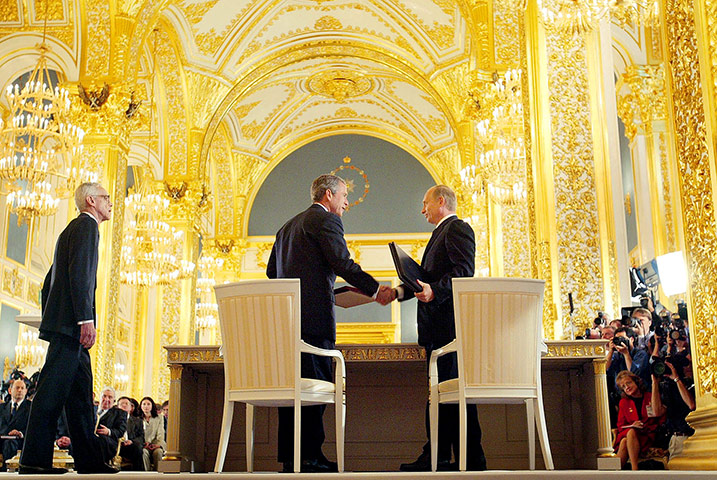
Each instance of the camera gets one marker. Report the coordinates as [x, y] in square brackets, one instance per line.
[678, 334]
[621, 341]
[644, 301]
[660, 327]
[600, 320]
[658, 367]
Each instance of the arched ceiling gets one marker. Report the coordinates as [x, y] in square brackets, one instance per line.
[301, 67]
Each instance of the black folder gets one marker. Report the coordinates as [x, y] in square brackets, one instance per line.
[407, 268]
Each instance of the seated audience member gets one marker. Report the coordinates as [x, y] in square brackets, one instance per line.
[639, 414]
[132, 442]
[154, 444]
[112, 424]
[13, 420]
[63, 433]
[165, 414]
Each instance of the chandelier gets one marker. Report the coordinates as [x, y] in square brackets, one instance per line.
[206, 308]
[30, 350]
[583, 16]
[149, 247]
[37, 141]
[148, 251]
[500, 170]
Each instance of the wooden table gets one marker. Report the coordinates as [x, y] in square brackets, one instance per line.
[386, 396]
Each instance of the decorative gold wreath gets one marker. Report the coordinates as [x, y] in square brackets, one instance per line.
[367, 186]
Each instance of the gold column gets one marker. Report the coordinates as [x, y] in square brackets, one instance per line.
[171, 462]
[602, 410]
[690, 31]
[541, 195]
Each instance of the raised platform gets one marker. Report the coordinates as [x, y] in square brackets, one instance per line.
[489, 475]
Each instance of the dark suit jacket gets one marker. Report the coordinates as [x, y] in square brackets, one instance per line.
[450, 253]
[311, 247]
[16, 422]
[135, 430]
[68, 294]
[116, 420]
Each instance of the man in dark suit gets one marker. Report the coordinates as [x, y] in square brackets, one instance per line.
[450, 253]
[13, 420]
[133, 441]
[68, 324]
[311, 247]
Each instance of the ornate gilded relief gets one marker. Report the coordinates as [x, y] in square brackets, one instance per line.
[10, 11]
[175, 132]
[645, 102]
[693, 162]
[573, 170]
[33, 293]
[221, 161]
[12, 282]
[506, 33]
[171, 317]
[97, 13]
[204, 93]
[516, 244]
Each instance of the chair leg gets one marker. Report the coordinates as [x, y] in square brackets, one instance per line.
[340, 404]
[249, 437]
[543, 434]
[433, 425]
[297, 435]
[530, 410]
[462, 435]
[224, 437]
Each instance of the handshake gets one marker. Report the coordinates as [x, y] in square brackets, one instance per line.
[385, 294]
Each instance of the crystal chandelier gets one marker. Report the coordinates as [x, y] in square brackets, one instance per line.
[500, 171]
[206, 309]
[583, 16]
[149, 248]
[36, 143]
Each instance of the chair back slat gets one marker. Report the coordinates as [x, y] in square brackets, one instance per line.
[498, 329]
[258, 321]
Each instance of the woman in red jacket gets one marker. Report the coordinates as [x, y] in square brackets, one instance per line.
[639, 414]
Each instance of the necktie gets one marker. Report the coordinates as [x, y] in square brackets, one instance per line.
[13, 409]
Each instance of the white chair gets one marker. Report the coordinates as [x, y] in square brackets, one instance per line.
[498, 338]
[261, 333]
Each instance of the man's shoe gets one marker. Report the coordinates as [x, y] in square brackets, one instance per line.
[30, 470]
[423, 464]
[105, 468]
[319, 466]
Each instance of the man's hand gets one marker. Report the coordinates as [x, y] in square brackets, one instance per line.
[102, 430]
[673, 373]
[425, 295]
[385, 294]
[63, 442]
[15, 433]
[88, 335]
[622, 349]
[126, 442]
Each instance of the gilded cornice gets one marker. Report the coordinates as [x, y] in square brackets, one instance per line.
[645, 102]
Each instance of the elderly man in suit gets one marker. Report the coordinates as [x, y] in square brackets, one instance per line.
[450, 253]
[13, 420]
[68, 324]
[311, 247]
[111, 424]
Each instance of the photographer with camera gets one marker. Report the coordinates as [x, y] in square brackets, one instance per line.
[677, 391]
[624, 355]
